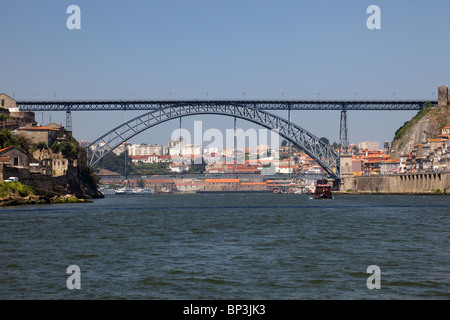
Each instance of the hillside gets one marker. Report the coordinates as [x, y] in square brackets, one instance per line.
[58, 170]
[426, 124]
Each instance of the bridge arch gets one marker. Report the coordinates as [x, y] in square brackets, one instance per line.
[319, 151]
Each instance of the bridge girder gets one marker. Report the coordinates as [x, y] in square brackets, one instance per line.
[320, 152]
[257, 104]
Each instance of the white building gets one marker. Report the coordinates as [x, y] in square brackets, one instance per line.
[186, 150]
[369, 145]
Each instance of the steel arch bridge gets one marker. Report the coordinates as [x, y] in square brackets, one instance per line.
[319, 151]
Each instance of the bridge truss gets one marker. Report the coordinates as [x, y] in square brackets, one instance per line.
[165, 110]
[256, 104]
[277, 176]
[319, 151]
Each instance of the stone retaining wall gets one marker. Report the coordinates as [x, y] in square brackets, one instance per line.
[402, 183]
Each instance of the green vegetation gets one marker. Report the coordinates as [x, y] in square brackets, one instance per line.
[116, 163]
[40, 146]
[325, 140]
[15, 189]
[149, 168]
[72, 200]
[68, 149]
[197, 168]
[7, 139]
[88, 176]
[408, 124]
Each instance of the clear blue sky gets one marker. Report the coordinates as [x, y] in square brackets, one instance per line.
[207, 49]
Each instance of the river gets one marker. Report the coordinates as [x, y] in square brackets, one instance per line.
[228, 246]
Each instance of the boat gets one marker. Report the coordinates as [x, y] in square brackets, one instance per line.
[165, 190]
[141, 191]
[276, 190]
[124, 191]
[323, 190]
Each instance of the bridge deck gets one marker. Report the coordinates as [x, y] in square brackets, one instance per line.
[258, 104]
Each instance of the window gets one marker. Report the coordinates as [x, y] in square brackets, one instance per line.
[16, 161]
[3, 102]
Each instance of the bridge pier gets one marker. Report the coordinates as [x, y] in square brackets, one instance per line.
[69, 121]
[343, 134]
[345, 160]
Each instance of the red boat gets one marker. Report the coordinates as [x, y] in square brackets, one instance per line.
[323, 190]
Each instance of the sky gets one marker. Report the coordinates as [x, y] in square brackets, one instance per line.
[208, 49]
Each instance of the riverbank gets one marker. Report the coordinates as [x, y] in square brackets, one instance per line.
[431, 193]
[427, 183]
[39, 199]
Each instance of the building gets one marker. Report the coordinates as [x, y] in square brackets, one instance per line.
[390, 166]
[145, 149]
[369, 145]
[189, 185]
[446, 131]
[38, 134]
[14, 157]
[178, 168]
[255, 186]
[221, 184]
[443, 95]
[186, 149]
[160, 185]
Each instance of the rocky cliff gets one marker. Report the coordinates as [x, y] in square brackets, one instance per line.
[426, 124]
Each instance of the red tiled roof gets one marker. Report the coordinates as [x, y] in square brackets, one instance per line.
[1, 150]
[221, 180]
[39, 128]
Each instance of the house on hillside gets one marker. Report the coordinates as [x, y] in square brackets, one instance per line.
[15, 156]
[38, 134]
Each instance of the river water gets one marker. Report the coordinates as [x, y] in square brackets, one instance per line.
[228, 246]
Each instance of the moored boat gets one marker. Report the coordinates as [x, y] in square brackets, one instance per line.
[276, 190]
[323, 190]
[124, 191]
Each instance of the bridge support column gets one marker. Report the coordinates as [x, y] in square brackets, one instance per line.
[345, 160]
[69, 121]
[343, 134]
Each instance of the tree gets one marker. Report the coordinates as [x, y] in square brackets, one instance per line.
[325, 140]
[197, 168]
[40, 146]
[7, 139]
[335, 145]
[140, 184]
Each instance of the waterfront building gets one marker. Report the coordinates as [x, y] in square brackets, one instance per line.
[221, 184]
[390, 166]
[189, 186]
